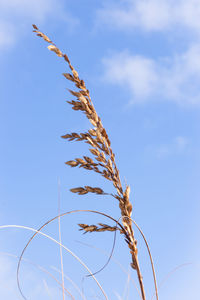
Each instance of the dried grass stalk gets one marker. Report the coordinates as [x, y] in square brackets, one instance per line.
[104, 158]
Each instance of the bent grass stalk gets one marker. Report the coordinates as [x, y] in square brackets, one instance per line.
[39, 267]
[115, 261]
[102, 160]
[118, 226]
[55, 241]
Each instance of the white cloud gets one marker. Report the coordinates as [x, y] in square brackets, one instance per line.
[30, 281]
[189, 13]
[136, 72]
[17, 16]
[174, 78]
[7, 35]
[8, 287]
[31, 8]
[181, 143]
[37, 9]
[176, 146]
[151, 15]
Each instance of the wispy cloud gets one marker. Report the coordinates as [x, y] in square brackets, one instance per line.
[136, 72]
[8, 287]
[7, 34]
[151, 15]
[175, 77]
[18, 15]
[31, 8]
[172, 78]
[8, 282]
[176, 146]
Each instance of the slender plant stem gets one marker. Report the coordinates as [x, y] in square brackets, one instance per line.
[140, 278]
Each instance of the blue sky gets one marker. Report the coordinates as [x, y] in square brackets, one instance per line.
[141, 62]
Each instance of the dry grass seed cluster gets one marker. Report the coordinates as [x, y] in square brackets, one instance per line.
[103, 161]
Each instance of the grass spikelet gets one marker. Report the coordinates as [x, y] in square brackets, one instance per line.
[102, 161]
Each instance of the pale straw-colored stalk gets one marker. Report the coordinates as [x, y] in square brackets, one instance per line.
[102, 161]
